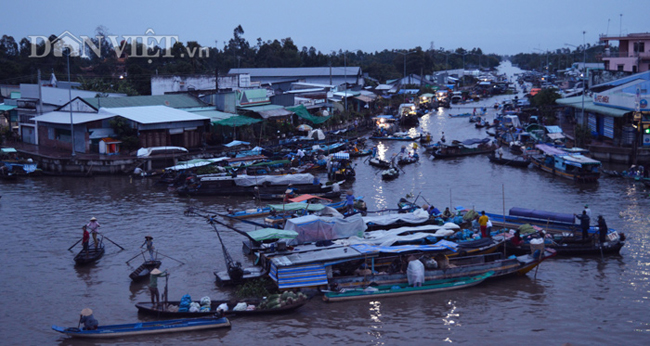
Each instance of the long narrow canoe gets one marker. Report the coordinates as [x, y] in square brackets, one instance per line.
[405, 289]
[149, 309]
[144, 328]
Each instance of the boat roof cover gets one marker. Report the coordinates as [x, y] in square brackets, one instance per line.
[417, 216]
[442, 245]
[542, 214]
[390, 237]
[297, 206]
[306, 197]
[9, 150]
[473, 141]
[271, 233]
[253, 180]
[569, 158]
[194, 163]
[312, 228]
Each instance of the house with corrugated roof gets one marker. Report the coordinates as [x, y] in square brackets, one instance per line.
[350, 75]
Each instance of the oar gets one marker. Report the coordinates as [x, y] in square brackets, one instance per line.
[73, 245]
[111, 241]
[79, 324]
[127, 262]
[171, 258]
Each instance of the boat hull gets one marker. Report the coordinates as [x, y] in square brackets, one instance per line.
[403, 289]
[146, 328]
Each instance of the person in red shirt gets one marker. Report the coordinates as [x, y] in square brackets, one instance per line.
[516, 239]
[85, 239]
[482, 221]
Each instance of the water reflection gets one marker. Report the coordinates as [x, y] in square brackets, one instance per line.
[375, 322]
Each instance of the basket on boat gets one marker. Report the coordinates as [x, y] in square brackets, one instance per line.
[539, 247]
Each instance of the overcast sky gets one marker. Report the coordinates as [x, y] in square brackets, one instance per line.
[495, 26]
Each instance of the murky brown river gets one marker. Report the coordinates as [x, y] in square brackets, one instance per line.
[584, 301]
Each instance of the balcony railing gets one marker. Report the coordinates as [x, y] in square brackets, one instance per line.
[642, 55]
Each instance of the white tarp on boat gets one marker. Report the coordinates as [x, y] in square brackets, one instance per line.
[252, 180]
[312, 228]
[389, 237]
[418, 216]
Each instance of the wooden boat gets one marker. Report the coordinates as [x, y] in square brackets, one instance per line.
[518, 161]
[146, 328]
[379, 163]
[275, 196]
[142, 272]
[360, 153]
[551, 222]
[461, 115]
[465, 148]
[164, 311]
[390, 174]
[568, 245]
[373, 292]
[567, 165]
[405, 160]
[396, 138]
[94, 254]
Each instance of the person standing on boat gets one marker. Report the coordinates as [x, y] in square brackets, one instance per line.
[588, 210]
[442, 139]
[584, 223]
[602, 229]
[500, 152]
[374, 151]
[483, 221]
[153, 285]
[85, 239]
[349, 202]
[93, 225]
[148, 241]
[89, 321]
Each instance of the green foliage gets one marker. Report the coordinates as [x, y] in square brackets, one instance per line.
[545, 103]
[125, 133]
[257, 288]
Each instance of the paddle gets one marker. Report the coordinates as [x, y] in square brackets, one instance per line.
[79, 324]
[127, 262]
[73, 245]
[170, 258]
[111, 241]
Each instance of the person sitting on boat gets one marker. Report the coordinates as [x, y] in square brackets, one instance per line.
[402, 152]
[602, 229]
[148, 241]
[85, 239]
[516, 239]
[336, 188]
[287, 195]
[446, 215]
[500, 152]
[89, 321]
[153, 285]
[93, 225]
[442, 139]
[584, 223]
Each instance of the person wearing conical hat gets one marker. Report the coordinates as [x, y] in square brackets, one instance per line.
[89, 321]
[153, 285]
[93, 226]
[148, 241]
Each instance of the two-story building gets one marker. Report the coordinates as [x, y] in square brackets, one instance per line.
[633, 53]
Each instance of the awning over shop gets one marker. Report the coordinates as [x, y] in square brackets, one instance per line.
[576, 102]
[240, 120]
[302, 112]
[4, 107]
[364, 98]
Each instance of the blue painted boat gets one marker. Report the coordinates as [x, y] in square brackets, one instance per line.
[145, 328]
[405, 289]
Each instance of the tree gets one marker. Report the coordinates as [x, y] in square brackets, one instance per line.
[545, 103]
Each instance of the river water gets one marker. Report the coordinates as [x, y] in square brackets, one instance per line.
[584, 301]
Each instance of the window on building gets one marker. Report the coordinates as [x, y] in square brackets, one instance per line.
[639, 47]
[619, 68]
[634, 69]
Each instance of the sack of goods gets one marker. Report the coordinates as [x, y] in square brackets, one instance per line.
[195, 307]
[240, 307]
[206, 304]
[222, 307]
[184, 305]
[415, 272]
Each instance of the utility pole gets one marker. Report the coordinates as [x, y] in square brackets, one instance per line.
[70, 103]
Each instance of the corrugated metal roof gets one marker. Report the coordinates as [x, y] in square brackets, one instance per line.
[262, 108]
[365, 99]
[298, 71]
[274, 113]
[153, 114]
[4, 107]
[77, 118]
[173, 101]
[213, 114]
